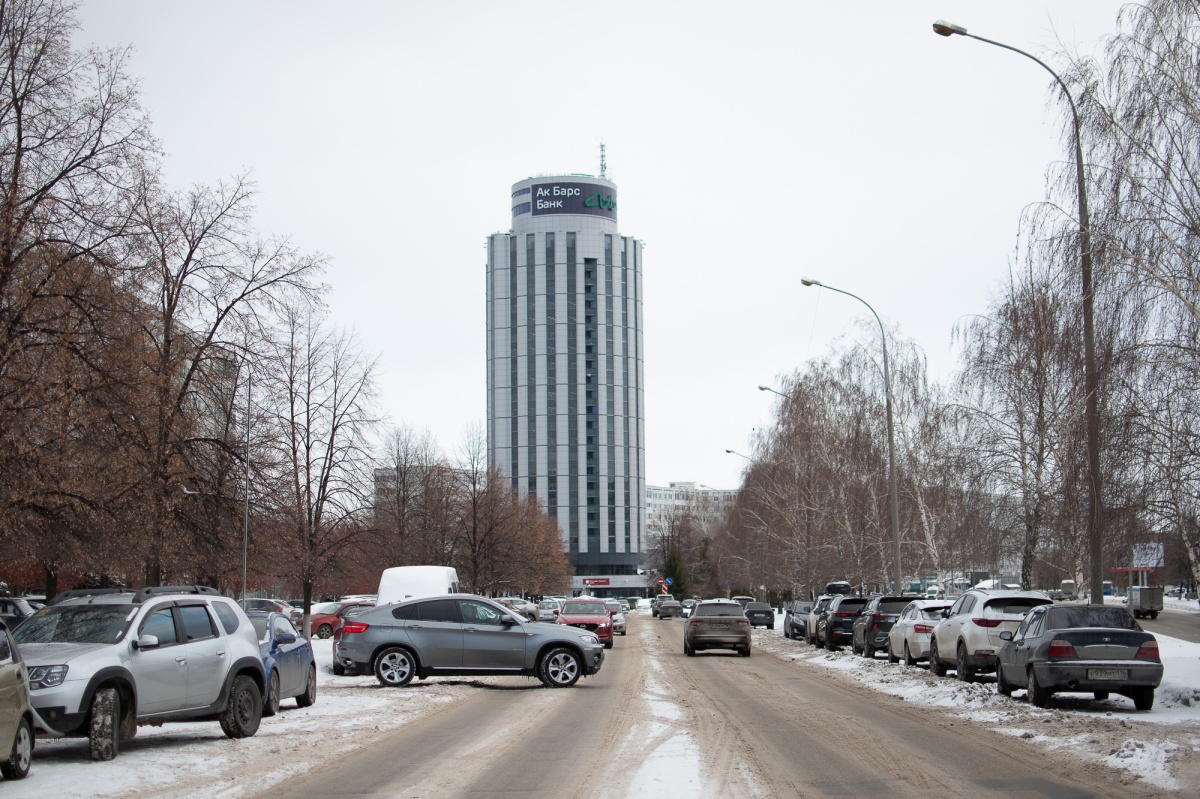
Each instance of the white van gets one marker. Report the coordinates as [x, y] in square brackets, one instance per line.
[413, 582]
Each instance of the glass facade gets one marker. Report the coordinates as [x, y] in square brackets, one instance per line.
[565, 418]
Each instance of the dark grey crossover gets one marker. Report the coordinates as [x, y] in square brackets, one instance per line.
[463, 635]
[1098, 649]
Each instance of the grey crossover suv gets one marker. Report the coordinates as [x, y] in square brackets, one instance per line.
[102, 662]
[462, 634]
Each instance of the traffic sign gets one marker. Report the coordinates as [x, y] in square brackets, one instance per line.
[669, 581]
[660, 581]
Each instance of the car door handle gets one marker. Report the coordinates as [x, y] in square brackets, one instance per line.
[181, 659]
[221, 653]
[469, 630]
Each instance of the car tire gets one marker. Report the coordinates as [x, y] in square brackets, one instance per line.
[829, 644]
[271, 702]
[1143, 697]
[1153, 615]
[309, 697]
[395, 667]
[324, 631]
[962, 670]
[936, 667]
[1003, 686]
[1038, 695]
[104, 740]
[892, 658]
[243, 712]
[745, 652]
[338, 669]
[16, 767]
[687, 650]
[1100, 696]
[608, 644]
[770, 626]
[560, 668]
[909, 660]
[868, 651]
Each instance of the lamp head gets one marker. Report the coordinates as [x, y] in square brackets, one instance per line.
[764, 388]
[728, 452]
[944, 28]
[810, 281]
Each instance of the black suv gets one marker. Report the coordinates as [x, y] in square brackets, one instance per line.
[872, 626]
[837, 624]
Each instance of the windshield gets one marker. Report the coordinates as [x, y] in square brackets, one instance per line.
[327, 609]
[79, 624]
[1062, 618]
[584, 608]
[718, 610]
[260, 626]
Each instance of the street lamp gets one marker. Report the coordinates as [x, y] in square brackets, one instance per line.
[740, 455]
[1091, 381]
[773, 391]
[887, 391]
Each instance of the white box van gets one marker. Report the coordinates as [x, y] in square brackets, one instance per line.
[413, 582]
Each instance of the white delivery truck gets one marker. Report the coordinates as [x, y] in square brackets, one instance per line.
[413, 582]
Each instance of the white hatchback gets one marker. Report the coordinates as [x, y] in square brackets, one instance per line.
[910, 635]
[968, 638]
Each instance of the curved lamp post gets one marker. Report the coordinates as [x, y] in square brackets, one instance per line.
[887, 390]
[1091, 380]
[740, 455]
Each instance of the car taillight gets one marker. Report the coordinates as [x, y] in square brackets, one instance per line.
[844, 613]
[1147, 651]
[923, 628]
[1061, 649]
[742, 621]
[987, 622]
[352, 627]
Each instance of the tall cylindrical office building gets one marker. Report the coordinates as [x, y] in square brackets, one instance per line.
[564, 348]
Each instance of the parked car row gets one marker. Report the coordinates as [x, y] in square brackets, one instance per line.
[1023, 637]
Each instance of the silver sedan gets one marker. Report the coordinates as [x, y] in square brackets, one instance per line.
[909, 637]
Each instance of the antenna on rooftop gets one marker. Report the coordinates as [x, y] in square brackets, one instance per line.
[603, 161]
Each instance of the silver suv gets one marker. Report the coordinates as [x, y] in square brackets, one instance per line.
[101, 662]
[462, 634]
[967, 639]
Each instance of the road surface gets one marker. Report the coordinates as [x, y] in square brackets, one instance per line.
[714, 725]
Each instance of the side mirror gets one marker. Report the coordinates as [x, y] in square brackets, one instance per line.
[612, 613]
[946, 613]
[1006, 635]
[147, 642]
[507, 620]
[285, 638]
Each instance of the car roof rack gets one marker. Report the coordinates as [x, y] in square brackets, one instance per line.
[159, 590]
[82, 593]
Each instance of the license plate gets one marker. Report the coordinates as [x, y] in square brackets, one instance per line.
[720, 626]
[1108, 674]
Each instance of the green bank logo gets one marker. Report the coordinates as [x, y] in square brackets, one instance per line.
[603, 201]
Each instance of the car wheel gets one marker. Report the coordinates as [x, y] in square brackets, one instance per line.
[309, 697]
[687, 650]
[770, 626]
[338, 669]
[909, 660]
[1153, 614]
[745, 652]
[829, 645]
[324, 631]
[892, 658]
[868, 651]
[1100, 696]
[394, 668]
[1038, 696]
[16, 767]
[1143, 697]
[103, 732]
[243, 712]
[608, 644]
[936, 667]
[271, 705]
[965, 672]
[560, 668]
[1003, 686]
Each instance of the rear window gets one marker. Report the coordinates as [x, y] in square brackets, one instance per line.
[1063, 618]
[933, 613]
[757, 606]
[1013, 606]
[893, 605]
[717, 610]
[852, 604]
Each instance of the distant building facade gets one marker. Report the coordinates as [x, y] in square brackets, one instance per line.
[565, 404]
[709, 504]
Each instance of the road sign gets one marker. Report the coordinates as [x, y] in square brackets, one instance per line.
[669, 581]
[660, 581]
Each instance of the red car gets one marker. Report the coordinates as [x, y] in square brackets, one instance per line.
[590, 614]
[328, 616]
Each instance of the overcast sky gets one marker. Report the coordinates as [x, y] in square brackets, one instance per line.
[752, 143]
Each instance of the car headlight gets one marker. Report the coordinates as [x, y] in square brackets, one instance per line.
[47, 676]
[591, 639]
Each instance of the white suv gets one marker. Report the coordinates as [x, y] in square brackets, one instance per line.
[968, 638]
[102, 662]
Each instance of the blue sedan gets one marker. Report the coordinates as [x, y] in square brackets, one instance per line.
[288, 661]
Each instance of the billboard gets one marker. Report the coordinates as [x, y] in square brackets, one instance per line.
[573, 198]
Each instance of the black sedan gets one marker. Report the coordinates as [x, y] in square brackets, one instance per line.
[1089, 648]
[795, 618]
[760, 614]
[871, 628]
